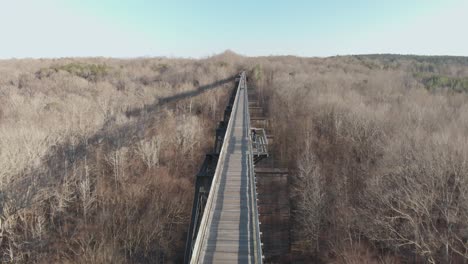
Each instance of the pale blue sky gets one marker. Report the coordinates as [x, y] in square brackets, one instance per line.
[125, 28]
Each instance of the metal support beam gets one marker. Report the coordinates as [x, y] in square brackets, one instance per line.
[259, 144]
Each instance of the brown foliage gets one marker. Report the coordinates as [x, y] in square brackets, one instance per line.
[96, 163]
[82, 181]
[380, 162]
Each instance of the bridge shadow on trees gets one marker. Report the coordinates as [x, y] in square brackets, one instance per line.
[63, 156]
[173, 98]
[73, 160]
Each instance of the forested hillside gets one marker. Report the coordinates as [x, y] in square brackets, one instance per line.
[378, 149]
[98, 156]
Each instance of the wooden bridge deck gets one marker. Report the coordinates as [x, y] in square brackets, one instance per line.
[229, 236]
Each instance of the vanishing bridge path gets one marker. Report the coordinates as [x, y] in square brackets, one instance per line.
[225, 225]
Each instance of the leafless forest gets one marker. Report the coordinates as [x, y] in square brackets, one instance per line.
[98, 156]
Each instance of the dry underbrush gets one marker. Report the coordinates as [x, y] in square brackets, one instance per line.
[380, 162]
[97, 156]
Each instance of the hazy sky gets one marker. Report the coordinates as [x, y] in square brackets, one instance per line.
[133, 28]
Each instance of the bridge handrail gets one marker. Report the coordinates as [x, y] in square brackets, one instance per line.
[256, 225]
[215, 183]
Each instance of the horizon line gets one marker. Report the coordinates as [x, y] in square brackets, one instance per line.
[227, 52]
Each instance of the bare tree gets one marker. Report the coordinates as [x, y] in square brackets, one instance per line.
[309, 185]
[88, 197]
[117, 159]
[149, 151]
[420, 205]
